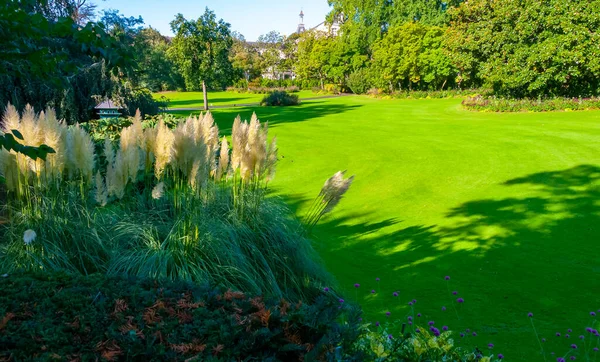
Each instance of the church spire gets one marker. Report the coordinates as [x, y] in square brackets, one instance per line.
[301, 28]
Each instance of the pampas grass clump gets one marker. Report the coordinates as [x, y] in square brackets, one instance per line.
[168, 203]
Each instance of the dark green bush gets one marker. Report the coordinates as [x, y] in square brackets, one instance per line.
[57, 316]
[280, 98]
[359, 82]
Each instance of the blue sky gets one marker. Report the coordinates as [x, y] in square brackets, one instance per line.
[250, 17]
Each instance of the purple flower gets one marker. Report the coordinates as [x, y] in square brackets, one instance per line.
[390, 336]
[409, 318]
[376, 324]
[593, 314]
[445, 328]
[467, 330]
[474, 334]
[436, 332]
[595, 332]
[490, 345]
[360, 319]
[573, 358]
[326, 289]
[373, 291]
[409, 303]
[414, 301]
[431, 323]
[460, 300]
[388, 313]
[341, 301]
[356, 285]
[418, 330]
[462, 334]
[395, 294]
[595, 349]
[376, 279]
[500, 356]
[567, 336]
[443, 308]
[419, 315]
[543, 339]
[574, 346]
[581, 337]
[569, 330]
[455, 292]
[530, 315]
[447, 277]
[560, 359]
[589, 330]
[557, 334]
[409, 323]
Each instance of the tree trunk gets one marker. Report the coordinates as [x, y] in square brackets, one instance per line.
[444, 84]
[205, 96]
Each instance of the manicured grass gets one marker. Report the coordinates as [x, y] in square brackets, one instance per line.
[195, 100]
[507, 205]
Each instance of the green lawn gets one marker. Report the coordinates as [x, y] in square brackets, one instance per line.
[195, 100]
[507, 205]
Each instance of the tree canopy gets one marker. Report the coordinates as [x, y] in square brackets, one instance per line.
[200, 49]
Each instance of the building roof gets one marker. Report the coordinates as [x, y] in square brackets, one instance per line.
[107, 104]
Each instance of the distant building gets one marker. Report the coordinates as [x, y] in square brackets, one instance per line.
[108, 109]
[332, 29]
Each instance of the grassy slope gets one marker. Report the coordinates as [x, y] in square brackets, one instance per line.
[194, 99]
[506, 204]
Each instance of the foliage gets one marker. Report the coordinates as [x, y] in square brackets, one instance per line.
[359, 81]
[48, 58]
[200, 49]
[410, 56]
[175, 204]
[157, 70]
[494, 104]
[263, 90]
[9, 143]
[528, 49]
[280, 98]
[245, 58]
[120, 318]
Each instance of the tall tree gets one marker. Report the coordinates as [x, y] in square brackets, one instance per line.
[156, 70]
[245, 58]
[269, 46]
[528, 48]
[200, 50]
[411, 56]
[49, 59]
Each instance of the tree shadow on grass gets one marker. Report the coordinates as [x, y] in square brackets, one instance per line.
[507, 257]
[216, 101]
[224, 117]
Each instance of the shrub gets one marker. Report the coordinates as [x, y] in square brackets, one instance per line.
[57, 316]
[280, 98]
[175, 204]
[358, 81]
[332, 89]
[263, 90]
[493, 104]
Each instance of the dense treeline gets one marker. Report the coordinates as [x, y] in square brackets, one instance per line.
[517, 48]
[64, 54]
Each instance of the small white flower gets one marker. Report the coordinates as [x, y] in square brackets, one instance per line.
[158, 190]
[29, 236]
